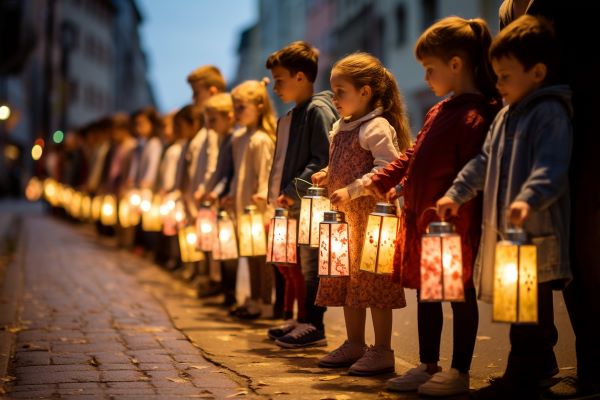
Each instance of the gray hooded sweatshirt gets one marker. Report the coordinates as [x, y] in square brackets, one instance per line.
[525, 157]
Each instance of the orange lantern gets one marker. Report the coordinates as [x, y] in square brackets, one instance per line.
[281, 245]
[187, 245]
[108, 215]
[378, 249]
[334, 258]
[34, 189]
[151, 219]
[206, 226]
[252, 233]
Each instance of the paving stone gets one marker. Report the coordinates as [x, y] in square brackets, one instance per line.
[122, 376]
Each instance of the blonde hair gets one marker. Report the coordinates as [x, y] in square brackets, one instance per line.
[256, 92]
[220, 102]
[209, 76]
[363, 69]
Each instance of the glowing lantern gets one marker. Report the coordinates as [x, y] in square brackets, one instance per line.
[86, 207]
[108, 216]
[50, 190]
[34, 189]
[96, 208]
[146, 200]
[174, 213]
[441, 264]
[225, 243]
[134, 198]
[312, 207]
[151, 219]
[125, 213]
[66, 197]
[206, 226]
[515, 280]
[334, 258]
[378, 250]
[281, 246]
[75, 205]
[252, 233]
[187, 245]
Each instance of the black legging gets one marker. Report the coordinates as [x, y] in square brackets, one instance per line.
[465, 321]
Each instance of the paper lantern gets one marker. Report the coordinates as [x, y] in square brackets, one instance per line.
[187, 245]
[86, 207]
[334, 258]
[50, 190]
[225, 243]
[128, 216]
[146, 200]
[108, 215]
[312, 207]
[380, 238]
[75, 205]
[97, 208]
[151, 219]
[206, 226]
[515, 297]
[441, 264]
[34, 189]
[66, 197]
[281, 245]
[174, 213]
[252, 233]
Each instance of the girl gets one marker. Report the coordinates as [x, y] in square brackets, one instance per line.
[253, 146]
[453, 53]
[372, 130]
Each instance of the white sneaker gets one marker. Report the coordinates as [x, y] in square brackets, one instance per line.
[410, 380]
[446, 383]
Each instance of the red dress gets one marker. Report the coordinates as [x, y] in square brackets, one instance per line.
[453, 133]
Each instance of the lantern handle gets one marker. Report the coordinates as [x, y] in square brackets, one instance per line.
[429, 209]
[296, 185]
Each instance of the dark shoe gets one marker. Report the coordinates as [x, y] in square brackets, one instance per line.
[229, 301]
[282, 330]
[210, 289]
[571, 388]
[303, 335]
[504, 388]
[247, 314]
[545, 381]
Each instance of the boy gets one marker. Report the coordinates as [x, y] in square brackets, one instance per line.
[302, 149]
[522, 171]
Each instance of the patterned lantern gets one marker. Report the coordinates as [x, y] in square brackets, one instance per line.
[312, 207]
[108, 216]
[441, 264]
[334, 258]
[515, 280]
[252, 233]
[34, 189]
[187, 245]
[225, 243]
[96, 208]
[86, 207]
[151, 219]
[281, 246]
[378, 250]
[206, 226]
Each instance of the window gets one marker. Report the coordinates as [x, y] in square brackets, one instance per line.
[429, 12]
[401, 25]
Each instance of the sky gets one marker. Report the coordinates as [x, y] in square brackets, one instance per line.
[180, 35]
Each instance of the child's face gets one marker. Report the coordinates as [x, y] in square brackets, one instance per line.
[438, 75]
[183, 129]
[247, 113]
[514, 82]
[287, 86]
[143, 126]
[347, 98]
[218, 121]
[201, 93]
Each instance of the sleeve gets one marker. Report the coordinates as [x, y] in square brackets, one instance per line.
[261, 156]
[212, 157]
[391, 175]
[154, 153]
[551, 143]
[320, 121]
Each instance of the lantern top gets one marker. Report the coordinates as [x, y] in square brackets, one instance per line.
[384, 209]
[250, 209]
[281, 212]
[516, 235]
[205, 204]
[440, 228]
[315, 191]
[333, 217]
[222, 215]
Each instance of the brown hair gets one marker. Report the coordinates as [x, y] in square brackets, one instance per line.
[468, 39]
[220, 102]
[189, 114]
[530, 40]
[120, 120]
[152, 115]
[363, 69]
[209, 76]
[296, 57]
[256, 92]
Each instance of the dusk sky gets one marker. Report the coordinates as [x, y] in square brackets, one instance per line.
[180, 35]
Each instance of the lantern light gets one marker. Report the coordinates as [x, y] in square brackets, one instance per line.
[206, 226]
[187, 245]
[151, 219]
[75, 205]
[312, 207]
[34, 189]
[108, 215]
[378, 249]
[281, 245]
[96, 207]
[334, 260]
[174, 214]
[515, 279]
[441, 264]
[225, 243]
[252, 233]
[86, 207]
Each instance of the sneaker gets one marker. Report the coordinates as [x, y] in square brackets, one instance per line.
[282, 330]
[446, 383]
[410, 380]
[303, 335]
[377, 360]
[344, 356]
[572, 388]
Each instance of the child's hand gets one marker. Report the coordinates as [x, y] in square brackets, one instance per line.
[258, 199]
[392, 195]
[446, 206]
[284, 201]
[340, 197]
[319, 178]
[517, 213]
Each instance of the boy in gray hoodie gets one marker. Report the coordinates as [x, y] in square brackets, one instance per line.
[523, 173]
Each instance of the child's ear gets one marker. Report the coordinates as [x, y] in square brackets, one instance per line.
[366, 91]
[300, 76]
[213, 90]
[539, 72]
[456, 64]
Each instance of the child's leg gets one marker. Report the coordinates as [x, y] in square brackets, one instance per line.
[289, 293]
[229, 270]
[309, 259]
[355, 324]
[297, 278]
[255, 277]
[382, 324]
[279, 292]
[266, 280]
[430, 320]
[465, 323]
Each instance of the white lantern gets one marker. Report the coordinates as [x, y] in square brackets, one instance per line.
[380, 238]
[441, 264]
[187, 245]
[515, 298]
[281, 245]
[206, 226]
[334, 255]
[312, 207]
[252, 233]
[225, 244]
[108, 215]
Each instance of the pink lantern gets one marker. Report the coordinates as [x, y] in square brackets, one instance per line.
[225, 242]
[334, 258]
[281, 245]
[206, 226]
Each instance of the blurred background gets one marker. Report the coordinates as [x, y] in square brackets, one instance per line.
[67, 63]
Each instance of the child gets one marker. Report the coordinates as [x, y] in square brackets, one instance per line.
[253, 145]
[522, 171]
[453, 53]
[302, 149]
[372, 130]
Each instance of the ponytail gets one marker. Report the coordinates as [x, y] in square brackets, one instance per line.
[395, 111]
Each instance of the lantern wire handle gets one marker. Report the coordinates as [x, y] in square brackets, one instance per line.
[296, 185]
[429, 209]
